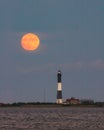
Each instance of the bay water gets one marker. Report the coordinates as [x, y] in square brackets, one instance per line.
[59, 118]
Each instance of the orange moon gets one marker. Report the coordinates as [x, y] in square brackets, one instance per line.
[30, 42]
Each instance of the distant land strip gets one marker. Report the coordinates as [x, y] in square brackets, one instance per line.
[39, 104]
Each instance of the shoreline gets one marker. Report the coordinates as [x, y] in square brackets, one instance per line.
[51, 106]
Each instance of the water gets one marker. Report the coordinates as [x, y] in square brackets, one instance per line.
[64, 118]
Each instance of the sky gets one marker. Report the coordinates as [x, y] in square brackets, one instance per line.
[71, 36]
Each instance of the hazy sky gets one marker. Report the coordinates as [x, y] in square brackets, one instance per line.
[71, 36]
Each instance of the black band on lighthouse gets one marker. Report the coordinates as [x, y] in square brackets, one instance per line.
[59, 77]
[59, 94]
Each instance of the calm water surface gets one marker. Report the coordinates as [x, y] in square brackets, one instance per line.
[52, 118]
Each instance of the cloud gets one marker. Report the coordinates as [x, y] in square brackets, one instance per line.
[75, 65]
[36, 69]
[97, 64]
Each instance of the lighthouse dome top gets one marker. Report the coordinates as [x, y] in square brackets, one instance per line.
[59, 72]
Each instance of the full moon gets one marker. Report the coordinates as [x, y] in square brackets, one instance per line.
[30, 42]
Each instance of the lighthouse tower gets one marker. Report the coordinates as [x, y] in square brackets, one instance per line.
[59, 88]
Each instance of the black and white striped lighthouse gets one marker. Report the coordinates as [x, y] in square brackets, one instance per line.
[59, 88]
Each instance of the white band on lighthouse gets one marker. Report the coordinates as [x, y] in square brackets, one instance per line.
[59, 101]
[59, 86]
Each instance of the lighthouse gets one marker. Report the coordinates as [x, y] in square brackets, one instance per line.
[59, 88]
